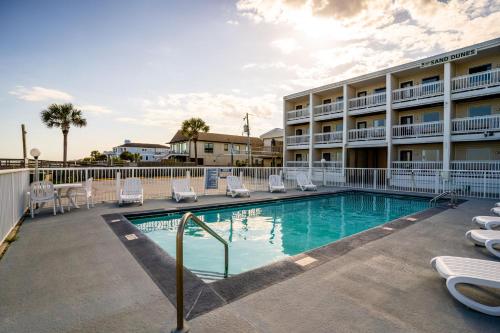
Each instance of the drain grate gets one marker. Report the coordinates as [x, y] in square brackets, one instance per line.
[131, 237]
[305, 261]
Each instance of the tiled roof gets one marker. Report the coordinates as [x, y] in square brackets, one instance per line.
[216, 137]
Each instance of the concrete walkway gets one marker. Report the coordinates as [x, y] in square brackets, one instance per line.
[70, 273]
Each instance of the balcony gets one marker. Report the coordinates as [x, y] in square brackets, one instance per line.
[475, 165]
[364, 134]
[329, 111]
[478, 84]
[366, 104]
[472, 125]
[421, 130]
[328, 138]
[418, 165]
[421, 94]
[298, 116]
[327, 164]
[297, 164]
[298, 141]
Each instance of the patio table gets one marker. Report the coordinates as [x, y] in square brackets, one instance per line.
[69, 187]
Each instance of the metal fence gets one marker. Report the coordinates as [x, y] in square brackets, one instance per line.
[13, 187]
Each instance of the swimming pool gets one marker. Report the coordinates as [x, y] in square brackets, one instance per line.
[259, 234]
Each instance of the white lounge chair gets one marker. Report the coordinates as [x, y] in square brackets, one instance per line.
[276, 184]
[487, 222]
[496, 210]
[486, 238]
[304, 183]
[131, 191]
[458, 270]
[40, 193]
[235, 187]
[181, 189]
[85, 191]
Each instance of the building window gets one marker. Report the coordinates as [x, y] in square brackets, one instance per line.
[406, 155]
[430, 79]
[298, 157]
[327, 129]
[406, 84]
[479, 111]
[340, 99]
[327, 101]
[236, 148]
[361, 125]
[361, 94]
[298, 131]
[479, 69]
[339, 127]
[298, 107]
[327, 157]
[379, 123]
[209, 148]
[379, 90]
[430, 116]
[338, 155]
[478, 154]
[430, 155]
[226, 147]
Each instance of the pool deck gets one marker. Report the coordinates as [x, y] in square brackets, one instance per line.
[71, 273]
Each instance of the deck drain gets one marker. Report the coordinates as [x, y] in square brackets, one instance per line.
[131, 237]
[114, 221]
[411, 219]
[388, 228]
[305, 261]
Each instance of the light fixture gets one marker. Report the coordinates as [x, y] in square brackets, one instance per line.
[35, 153]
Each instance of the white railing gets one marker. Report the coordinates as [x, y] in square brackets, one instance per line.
[324, 109]
[329, 137]
[475, 124]
[420, 91]
[367, 101]
[433, 128]
[418, 165]
[297, 164]
[372, 133]
[327, 164]
[13, 202]
[475, 165]
[297, 140]
[476, 81]
[298, 114]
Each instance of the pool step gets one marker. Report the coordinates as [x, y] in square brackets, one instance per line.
[208, 276]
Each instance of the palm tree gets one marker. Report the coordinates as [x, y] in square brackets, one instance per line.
[191, 128]
[63, 116]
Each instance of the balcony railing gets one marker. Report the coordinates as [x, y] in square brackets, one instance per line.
[475, 124]
[420, 91]
[331, 108]
[434, 128]
[297, 164]
[330, 137]
[372, 133]
[327, 164]
[367, 101]
[298, 114]
[418, 165]
[476, 81]
[475, 165]
[297, 140]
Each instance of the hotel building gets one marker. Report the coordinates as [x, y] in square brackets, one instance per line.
[441, 112]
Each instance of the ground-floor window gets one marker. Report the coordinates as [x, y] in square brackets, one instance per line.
[479, 111]
[327, 156]
[298, 157]
[406, 155]
[430, 155]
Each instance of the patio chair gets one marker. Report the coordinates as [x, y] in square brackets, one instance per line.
[495, 210]
[235, 187]
[131, 191]
[459, 270]
[181, 189]
[40, 193]
[487, 222]
[304, 183]
[276, 184]
[486, 238]
[85, 191]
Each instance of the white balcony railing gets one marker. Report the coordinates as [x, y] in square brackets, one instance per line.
[367, 101]
[327, 164]
[325, 109]
[420, 91]
[297, 164]
[372, 133]
[434, 128]
[330, 137]
[298, 114]
[418, 165]
[476, 81]
[297, 140]
[475, 124]
[475, 165]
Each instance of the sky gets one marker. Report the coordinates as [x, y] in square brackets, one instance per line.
[138, 68]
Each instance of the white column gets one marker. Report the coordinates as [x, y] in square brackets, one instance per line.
[284, 160]
[311, 130]
[389, 83]
[447, 108]
[345, 122]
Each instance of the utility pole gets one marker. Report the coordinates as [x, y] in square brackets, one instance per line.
[246, 128]
[25, 153]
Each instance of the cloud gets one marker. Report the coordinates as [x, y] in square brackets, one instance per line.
[38, 94]
[223, 112]
[98, 109]
[232, 22]
[286, 45]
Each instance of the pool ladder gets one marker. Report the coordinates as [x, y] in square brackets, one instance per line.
[179, 265]
[453, 197]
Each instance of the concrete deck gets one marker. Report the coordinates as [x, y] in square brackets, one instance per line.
[70, 273]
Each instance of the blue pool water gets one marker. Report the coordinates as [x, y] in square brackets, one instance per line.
[261, 233]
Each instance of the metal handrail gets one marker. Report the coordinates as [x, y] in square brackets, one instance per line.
[453, 199]
[179, 265]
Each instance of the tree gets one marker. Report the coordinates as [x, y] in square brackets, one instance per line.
[191, 128]
[95, 155]
[63, 116]
[127, 156]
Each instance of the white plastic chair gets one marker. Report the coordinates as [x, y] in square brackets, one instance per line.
[85, 191]
[304, 183]
[495, 210]
[235, 187]
[181, 189]
[131, 191]
[459, 270]
[487, 238]
[276, 184]
[487, 222]
[40, 193]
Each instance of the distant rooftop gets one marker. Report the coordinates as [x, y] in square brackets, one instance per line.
[216, 137]
[129, 144]
[275, 132]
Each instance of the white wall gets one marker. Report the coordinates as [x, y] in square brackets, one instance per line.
[13, 203]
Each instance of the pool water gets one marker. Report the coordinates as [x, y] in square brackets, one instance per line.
[262, 233]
